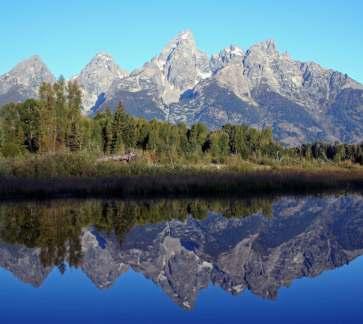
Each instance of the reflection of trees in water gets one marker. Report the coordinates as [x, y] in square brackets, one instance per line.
[56, 226]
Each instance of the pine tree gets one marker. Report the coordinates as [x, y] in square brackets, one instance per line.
[74, 107]
[104, 124]
[116, 130]
[122, 134]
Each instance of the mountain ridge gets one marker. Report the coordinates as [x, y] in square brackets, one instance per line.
[260, 87]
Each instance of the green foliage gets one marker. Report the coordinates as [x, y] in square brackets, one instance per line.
[331, 152]
[54, 124]
[49, 165]
[103, 124]
[118, 129]
[197, 135]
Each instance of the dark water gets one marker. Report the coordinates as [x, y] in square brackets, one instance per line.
[282, 260]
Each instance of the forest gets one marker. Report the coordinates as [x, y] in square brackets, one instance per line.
[52, 130]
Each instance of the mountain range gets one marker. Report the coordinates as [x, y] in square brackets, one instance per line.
[261, 87]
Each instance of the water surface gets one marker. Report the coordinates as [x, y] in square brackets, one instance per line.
[281, 260]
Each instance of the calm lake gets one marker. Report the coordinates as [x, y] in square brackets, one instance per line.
[263, 260]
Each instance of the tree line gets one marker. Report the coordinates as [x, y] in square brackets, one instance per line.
[331, 152]
[54, 123]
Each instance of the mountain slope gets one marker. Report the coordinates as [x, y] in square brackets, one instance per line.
[179, 67]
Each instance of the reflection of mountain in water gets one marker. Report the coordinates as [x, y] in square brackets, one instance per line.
[304, 237]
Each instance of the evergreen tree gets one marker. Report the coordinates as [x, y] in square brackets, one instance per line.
[104, 122]
[119, 129]
[74, 108]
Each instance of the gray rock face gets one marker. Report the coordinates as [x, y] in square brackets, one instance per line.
[182, 64]
[227, 56]
[97, 77]
[23, 81]
[179, 67]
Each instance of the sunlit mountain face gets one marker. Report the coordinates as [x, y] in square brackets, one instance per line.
[184, 246]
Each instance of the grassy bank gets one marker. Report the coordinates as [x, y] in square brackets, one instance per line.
[80, 175]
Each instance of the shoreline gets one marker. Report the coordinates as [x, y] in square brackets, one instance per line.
[184, 185]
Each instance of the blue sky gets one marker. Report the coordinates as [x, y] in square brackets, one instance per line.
[66, 34]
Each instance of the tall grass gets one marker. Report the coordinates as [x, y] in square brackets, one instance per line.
[79, 175]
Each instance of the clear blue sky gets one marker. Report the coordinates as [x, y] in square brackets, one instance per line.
[67, 34]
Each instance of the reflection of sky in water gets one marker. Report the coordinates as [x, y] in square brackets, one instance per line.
[335, 297]
[303, 237]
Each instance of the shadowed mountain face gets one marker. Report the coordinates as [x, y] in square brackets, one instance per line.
[260, 87]
[184, 246]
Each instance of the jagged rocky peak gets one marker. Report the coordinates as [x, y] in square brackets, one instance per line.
[184, 41]
[265, 65]
[103, 62]
[268, 46]
[26, 77]
[97, 77]
[178, 68]
[314, 73]
[261, 53]
[232, 54]
[182, 64]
